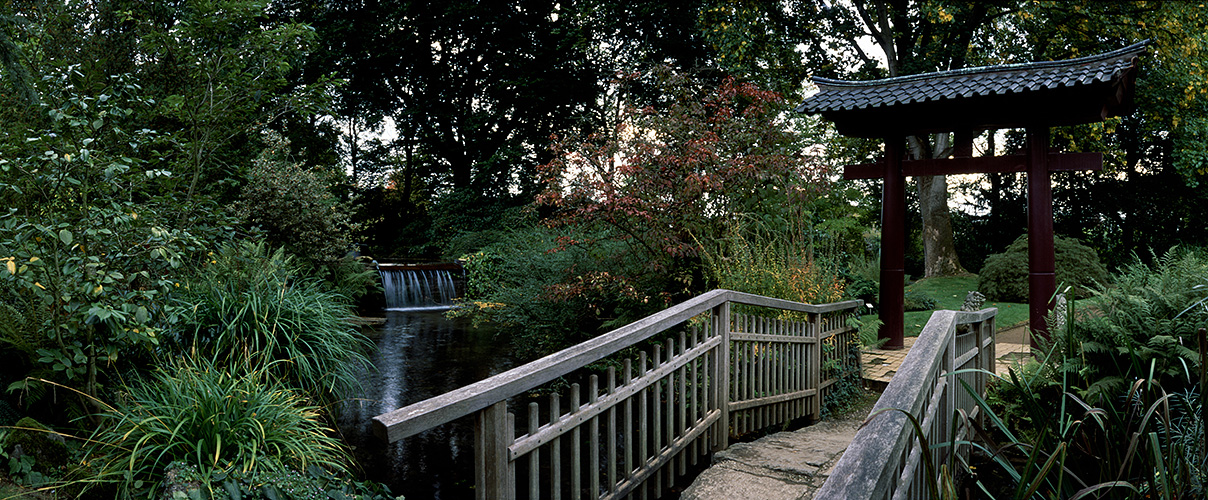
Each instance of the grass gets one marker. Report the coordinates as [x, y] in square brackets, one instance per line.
[949, 293]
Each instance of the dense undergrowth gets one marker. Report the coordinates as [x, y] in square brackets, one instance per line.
[1112, 408]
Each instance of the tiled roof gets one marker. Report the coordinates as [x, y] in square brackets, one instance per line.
[840, 95]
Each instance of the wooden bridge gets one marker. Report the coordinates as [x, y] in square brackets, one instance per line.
[677, 386]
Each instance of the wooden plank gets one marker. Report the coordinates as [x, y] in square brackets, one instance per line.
[555, 463]
[576, 452]
[627, 380]
[1057, 162]
[429, 413]
[593, 441]
[534, 456]
[669, 417]
[612, 431]
[767, 400]
[682, 401]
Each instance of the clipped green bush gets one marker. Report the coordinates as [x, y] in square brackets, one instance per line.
[232, 420]
[1004, 277]
[917, 301]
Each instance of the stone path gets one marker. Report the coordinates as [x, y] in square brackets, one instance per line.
[782, 466]
[793, 465]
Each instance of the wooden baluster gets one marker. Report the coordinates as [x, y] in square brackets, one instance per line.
[555, 449]
[627, 379]
[682, 413]
[534, 461]
[656, 421]
[593, 460]
[612, 432]
[761, 384]
[695, 396]
[576, 450]
[643, 422]
[669, 417]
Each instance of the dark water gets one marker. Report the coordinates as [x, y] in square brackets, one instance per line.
[421, 355]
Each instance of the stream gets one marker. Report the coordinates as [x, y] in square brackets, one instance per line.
[421, 354]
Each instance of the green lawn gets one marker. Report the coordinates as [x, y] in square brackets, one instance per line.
[949, 293]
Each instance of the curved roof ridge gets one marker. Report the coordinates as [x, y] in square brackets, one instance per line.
[1134, 49]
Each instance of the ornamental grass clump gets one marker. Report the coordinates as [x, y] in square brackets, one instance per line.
[248, 310]
[221, 420]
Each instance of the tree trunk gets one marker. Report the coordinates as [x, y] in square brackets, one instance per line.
[939, 248]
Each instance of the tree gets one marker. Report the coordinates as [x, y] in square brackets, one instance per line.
[671, 176]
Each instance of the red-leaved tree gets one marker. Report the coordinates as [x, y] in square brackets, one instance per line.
[667, 177]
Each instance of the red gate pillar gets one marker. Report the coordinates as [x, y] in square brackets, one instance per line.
[1042, 280]
[893, 245]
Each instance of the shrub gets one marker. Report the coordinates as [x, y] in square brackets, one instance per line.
[247, 308]
[1004, 277]
[216, 418]
[756, 260]
[917, 301]
[294, 206]
[549, 292]
[1143, 325]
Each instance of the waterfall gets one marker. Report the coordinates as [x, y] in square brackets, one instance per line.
[413, 289]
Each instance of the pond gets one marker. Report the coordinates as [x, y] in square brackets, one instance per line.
[421, 354]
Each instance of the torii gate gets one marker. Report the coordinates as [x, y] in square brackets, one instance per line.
[1033, 96]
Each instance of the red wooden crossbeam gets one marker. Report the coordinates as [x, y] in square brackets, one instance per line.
[1057, 162]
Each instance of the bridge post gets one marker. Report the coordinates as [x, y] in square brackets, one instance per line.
[494, 473]
[814, 365]
[721, 391]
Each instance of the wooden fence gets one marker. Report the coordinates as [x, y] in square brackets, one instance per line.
[886, 458]
[699, 373]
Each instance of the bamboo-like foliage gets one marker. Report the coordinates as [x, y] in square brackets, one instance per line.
[220, 419]
[247, 310]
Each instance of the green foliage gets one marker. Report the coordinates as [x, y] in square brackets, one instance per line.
[1138, 327]
[247, 308]
[218, 419]
[706, 155]
[546, 297]
[86, 266]
[294, 206]
[914, 300]
[1005, 276]
[269, 480]
[34, 451]
[755, 259]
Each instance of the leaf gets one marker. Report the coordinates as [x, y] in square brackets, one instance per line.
[11, 266]
[65, 236]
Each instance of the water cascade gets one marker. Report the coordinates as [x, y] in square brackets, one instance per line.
[416, 289]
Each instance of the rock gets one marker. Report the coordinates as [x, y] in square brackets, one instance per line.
[48, 448]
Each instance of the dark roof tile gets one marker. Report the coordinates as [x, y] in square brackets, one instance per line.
[964, 83]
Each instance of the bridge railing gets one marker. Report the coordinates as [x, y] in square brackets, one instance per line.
[886, 458]
[692, 376]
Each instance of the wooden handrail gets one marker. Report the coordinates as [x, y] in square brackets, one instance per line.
[883, 459]
[441, 409]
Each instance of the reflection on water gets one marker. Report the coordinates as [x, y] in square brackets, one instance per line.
[421, 355]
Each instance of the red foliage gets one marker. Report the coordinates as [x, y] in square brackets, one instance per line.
[667, 176]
